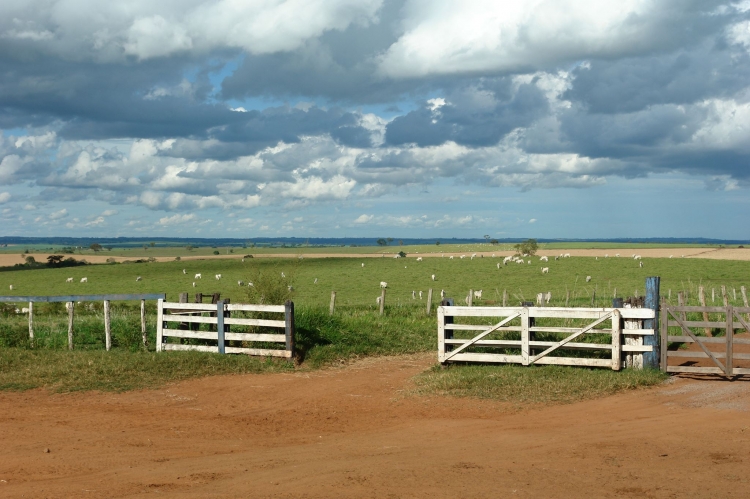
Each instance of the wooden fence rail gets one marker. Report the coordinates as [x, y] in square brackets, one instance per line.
[724, 360]
[528, 349]
[70, 301]
[220, 317]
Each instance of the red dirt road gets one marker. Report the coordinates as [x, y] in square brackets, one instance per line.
[355, 432]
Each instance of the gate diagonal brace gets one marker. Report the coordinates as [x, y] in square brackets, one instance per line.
[739, 318]
[482, 335]
[570, 338]
[695, 338]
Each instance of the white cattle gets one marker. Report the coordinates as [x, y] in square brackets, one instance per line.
[198, 276]
[315, 281]
[139, 278]
[670, 256]
[69, 279]
[640, 264]
[24, 310]
[543, 259]
[414, 295]
[450, 257]
[498, 265]
[290, 288]
[396, 256]
[433, 277]
[377, 300]
[636, 257]
[606, 255]
[419, 259]
[363, 265]
[240, 283]
[463, 256]
[250, 285]
[545, 270]
[617, 255]
[519, 261]
[218, 277]
[566, 255]
[540, 298]
[283, 275]
[529, 262]
[507, 259]
[383, 284]
[84, 279]
[478, 294]
[547, 297]
[184, 271]
[588, 278]
[442, 294]
[420, 294]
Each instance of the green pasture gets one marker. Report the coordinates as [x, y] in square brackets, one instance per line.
[359, 286]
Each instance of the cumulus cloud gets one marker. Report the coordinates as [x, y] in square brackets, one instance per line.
[57, 215]
[363, 219]
[4, 197]
[177, 219]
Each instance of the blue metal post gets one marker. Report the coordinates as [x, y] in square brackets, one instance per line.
[220, 324]
[651, 359]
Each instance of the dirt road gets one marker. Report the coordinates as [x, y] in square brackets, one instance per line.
[355, 432]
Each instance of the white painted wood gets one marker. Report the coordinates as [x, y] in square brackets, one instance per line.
[518, 344]
[254, 322]
[479, 327]
[570, 338]
[637, 348]
[246, 351]
[31, 320]
[71, 308]
[554, 312]
[159, 323]
[638, 332]
[616, 340]
[144, 336]
[487, 357]
[202, 307]
[107, 326]
[254, 308]
[480, 336]
[574, 361]
[441, 333]
[213, 335]
[525, 348]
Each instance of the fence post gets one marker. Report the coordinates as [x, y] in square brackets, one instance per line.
[107, 327]
[664, 335]
[441, 333]
[525, 350]
[505, 298]
[470, 301]
[159, 324]
[220, 324]
[567, 297]
[332, 306]
[728, 367]
[429, 301]
[289, 325]
[71, 305]
[382, 300]
[702, 300]
[651, 359]
[143, 323]
[31, 320]
[724, 295]
[616, 340]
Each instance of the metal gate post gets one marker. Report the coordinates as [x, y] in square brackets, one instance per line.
[651, 359]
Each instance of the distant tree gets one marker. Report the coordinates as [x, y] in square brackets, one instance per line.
[487, 237]
[402, 254]
[95, 247]
[54, 260]
[528, 247]
[152, 244]
[216, 252]
[400, 242]
[381, 242]
[494, 242]
[437, 243]
[189, 247]
[30, 261]
[389, 239]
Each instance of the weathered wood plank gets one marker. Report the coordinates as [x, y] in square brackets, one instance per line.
[709, 339]
[616, 340]
[248, 351]
[213, 335]
[729, 335]
[254, 322]
[195, 307]
[695, 309]
[487, 357]
[107, 326]
[231, 307]
[664, 333]
[518, 344]
[701, 355]
[698, 324]
[693, 369]
[703, 347]
[159, 324]
[570, 338]
[71, 307]
[574, 361]
[551, 312]
[479, 327]
[441, 333]
[480, 336]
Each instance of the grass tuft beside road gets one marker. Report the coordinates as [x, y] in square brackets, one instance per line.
[533, 384]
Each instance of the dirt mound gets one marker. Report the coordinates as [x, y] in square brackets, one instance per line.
[355, 431]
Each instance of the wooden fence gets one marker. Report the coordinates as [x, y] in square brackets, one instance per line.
[697, 331]
[219, 316]
[517, 338]
[70, 301]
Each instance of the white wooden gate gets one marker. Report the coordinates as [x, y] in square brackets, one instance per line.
[194, 313]
[502, 343]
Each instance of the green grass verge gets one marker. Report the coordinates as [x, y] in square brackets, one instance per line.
[534, 384]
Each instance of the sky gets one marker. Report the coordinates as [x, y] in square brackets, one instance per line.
[374, 118]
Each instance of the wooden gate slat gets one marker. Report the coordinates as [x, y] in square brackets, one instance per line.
[570, 338]
[700, 343]
[479, 337]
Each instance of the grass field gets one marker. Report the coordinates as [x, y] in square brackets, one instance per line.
[355, 331]
[359, 286]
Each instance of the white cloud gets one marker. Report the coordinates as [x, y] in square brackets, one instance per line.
[443, 36]
[176, 219]
[4, 197]
[109, 213]
[532, 221]
[57, 215]
[363, 219]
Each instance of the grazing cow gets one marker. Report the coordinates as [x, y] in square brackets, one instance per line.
[139, 278]
[540, 298]
[69, 279]
[478, 294]
[442, 294]
[433, 277]
[420, 294]
[414, 295]
[617, 255]
[566, 255]
[315, 281]
[498, 265]
[24, 310]
[419, 259]
[463, 256]
[377, 300]
[670, 256]
[250, 285]
[640, 264]
[396, 256]
[84, 279]
[363, 265]
[543, 259]
[184, 271]
[588, 278]
[606, 255]
[507, 259]
[290, 288]
[545, 270]
[547, 297]
[636, 257]
[240, 283]
[383, 284]
[283, 276]
[450, 257]
[218, 277]
[198, 276]
[193, 284]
